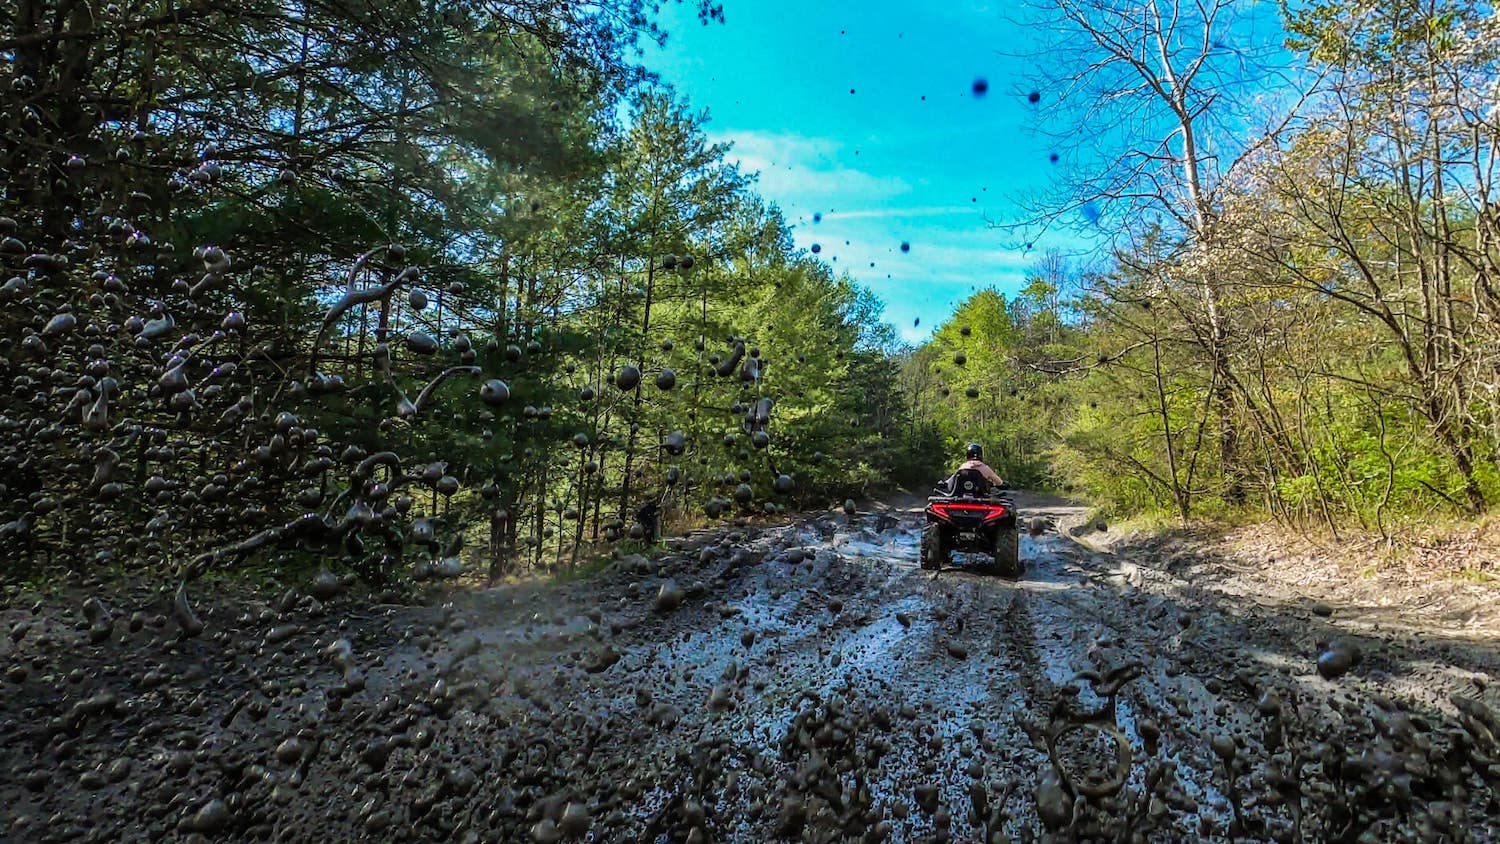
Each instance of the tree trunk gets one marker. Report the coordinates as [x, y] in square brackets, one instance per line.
[635, 402]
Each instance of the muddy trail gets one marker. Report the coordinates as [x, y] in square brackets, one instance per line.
[804, 682]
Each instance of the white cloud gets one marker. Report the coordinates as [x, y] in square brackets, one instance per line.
[900, 213]
[797, 171]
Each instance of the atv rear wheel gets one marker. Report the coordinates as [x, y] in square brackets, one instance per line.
[933, 553]
[1008, 554]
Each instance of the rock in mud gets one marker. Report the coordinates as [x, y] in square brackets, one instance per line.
[289, 751]
[602, 661]
[281, 632]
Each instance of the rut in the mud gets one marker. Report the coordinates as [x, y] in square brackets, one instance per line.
[803, 683]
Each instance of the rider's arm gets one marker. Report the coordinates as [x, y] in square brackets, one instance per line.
[990, 474]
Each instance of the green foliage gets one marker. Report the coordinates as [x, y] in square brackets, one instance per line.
[974, 382]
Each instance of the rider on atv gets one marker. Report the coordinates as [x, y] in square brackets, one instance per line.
[974, 459]
[970, 512]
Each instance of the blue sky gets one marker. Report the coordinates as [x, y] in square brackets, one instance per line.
[912, 155]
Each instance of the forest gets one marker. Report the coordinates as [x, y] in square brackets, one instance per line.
[357, 276]
[285, 276]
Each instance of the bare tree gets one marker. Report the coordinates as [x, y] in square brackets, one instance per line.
[1386, 206]
[1149, 104]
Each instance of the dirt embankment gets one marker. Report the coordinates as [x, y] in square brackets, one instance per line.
[804, 683]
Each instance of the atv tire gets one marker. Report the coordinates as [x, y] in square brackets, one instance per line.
[1008, 554]
[933, 552]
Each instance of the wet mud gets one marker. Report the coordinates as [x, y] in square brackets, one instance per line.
[803, 683]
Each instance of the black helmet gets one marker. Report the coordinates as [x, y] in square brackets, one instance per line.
[974, 451]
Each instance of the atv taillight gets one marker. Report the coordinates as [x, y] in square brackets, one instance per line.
[949, 509]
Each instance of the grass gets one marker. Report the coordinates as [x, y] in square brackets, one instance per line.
[1480, 576]
[590, 565]
[586, 569]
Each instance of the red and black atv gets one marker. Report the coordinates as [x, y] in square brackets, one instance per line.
[965, 513]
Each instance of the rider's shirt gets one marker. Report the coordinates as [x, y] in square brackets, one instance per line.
[988, 473]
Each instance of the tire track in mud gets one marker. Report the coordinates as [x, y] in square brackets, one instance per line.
[918, 653]
[930, 657]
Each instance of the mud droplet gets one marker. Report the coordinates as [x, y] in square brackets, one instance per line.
[792, 817]
[1336, 661]
[1223, 747]
[669, 597]
[1052, 802]
[576, 820]
[545, 831]
[494, 392]
[627, 378]
[182, 613]
[213, 817]
[926, 796]
[326, 585]
[721, 698]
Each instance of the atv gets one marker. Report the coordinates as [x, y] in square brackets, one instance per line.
[966, 513]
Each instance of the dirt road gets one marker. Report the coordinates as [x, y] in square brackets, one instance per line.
[803, 683]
